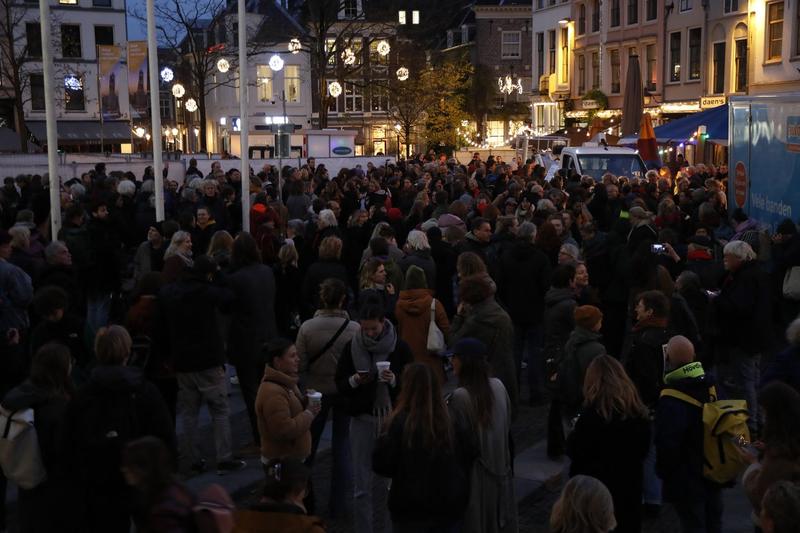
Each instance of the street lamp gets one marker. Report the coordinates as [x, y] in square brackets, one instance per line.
[335, 89]
[191, 105]
[402, 74]
[397, 129]
[295, 46]
[223, 65]
[384, 48]
[139, 132]
[276, 62]
[167, 75]
[178, 91]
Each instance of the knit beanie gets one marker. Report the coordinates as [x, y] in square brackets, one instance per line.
[587, 316]
[415, 278]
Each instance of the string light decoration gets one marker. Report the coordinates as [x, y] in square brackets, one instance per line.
[295, 46]
[167, 75]
[384, 48]
[276, 62]
[335, 89]
[223, 65]
[191, 105]
[506, 85]
[348, 57]
[402, 74]
[178, 91]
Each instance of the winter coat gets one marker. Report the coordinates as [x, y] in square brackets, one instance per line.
[360, 400]
[103, 271]
[581, 349]
[471, 244]
[313, 335]
[743, 311]
[679, 441]
[316, 274]
[422, 259]
[644, 360]
[43, 510]
[201, 237]
[283, 422]
[70, 331]
[276, 518]
[16, 294]
[148, 259]
[190, 328]
[612, 451]
[492, 506]
[444, 255]
[66, 278]
[253, 316]
[430, 485]
[413, 314]
[116, 400]
[559, 320]
[785, 367]
[523, 281]
[490, 324]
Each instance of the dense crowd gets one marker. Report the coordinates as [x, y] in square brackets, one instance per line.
[415, 306]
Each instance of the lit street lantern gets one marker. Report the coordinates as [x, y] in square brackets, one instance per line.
[178, 91]
[335, 89]
[191, 105]
[276, 62]
[223, 65]
[167, 75]
[402, 74]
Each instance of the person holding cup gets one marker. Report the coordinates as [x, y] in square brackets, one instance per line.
[368, 378]
[284, 414]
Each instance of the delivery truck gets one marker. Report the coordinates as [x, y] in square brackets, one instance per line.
[764, 157]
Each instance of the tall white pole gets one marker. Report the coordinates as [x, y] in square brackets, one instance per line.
[50, 117]
[155, 109]
[244, 123]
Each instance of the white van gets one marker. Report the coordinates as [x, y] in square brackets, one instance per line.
[595, 161]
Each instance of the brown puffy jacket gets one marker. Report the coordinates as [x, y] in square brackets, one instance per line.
[283, 422]
[413, 314]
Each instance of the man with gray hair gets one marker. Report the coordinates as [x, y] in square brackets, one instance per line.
[743, 311]
[523, 280]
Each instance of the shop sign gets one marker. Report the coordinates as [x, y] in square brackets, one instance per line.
[589, 104]
[707, 102]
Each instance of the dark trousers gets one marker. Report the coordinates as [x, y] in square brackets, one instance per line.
[528, 341]
[250, 374]
[701, 515]
[342, 474]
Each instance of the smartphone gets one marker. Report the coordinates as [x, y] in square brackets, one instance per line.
[658, 249]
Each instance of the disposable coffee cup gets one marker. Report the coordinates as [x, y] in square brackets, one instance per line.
[382, 365]
[315, 397]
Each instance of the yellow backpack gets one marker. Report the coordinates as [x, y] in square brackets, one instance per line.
[724, 429]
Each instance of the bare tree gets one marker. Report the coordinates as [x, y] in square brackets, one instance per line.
[197, 33]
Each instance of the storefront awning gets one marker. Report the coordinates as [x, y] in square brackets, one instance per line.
[84, 131]
[680, 130]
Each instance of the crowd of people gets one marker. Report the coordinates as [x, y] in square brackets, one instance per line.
[417, 307]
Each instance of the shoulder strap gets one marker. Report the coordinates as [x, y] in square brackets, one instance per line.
[433, 310]
[329, 343]
[681, 396]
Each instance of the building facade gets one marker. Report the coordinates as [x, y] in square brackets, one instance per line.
[553, 39]
[78, 27]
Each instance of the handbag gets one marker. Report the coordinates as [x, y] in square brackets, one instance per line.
[20, 456]
[435, 336]
[791, 284]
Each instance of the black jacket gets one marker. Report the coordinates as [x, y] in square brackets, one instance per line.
[679, 441]
[644, 361]
[103, 272]
[116, 406]
[190, 330]
[422, 259]
[613, 452]
[444, 255]
[743, 311]
[316, 274]
[253, 306]
[360, 399]
[429, 485]
[559, 321]
[523, 280]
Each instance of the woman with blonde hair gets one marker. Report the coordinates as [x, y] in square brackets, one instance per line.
[611, 438]
[178, 256]
[585, 506]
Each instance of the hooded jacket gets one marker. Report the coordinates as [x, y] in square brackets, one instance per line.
[313, 335]
[283, 422]
[422, 259]
[559, 320]
[413, 315]
[581, 349]
[48, 410]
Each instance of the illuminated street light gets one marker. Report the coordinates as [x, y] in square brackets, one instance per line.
[348, 57]
[402, 74]
[191, 105]
[139, 132]
[174, 132]
[223, 65]
[384, 48]
[295, 46]
[178, 91]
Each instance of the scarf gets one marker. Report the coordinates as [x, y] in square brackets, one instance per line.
[366, 351]
[652, 322]
[690, 371]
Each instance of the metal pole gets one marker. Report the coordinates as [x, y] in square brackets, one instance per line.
[244, 123]
[50, 117]
[155, 110]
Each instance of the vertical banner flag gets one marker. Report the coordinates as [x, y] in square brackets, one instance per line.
[110, 60]
[138, 77]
